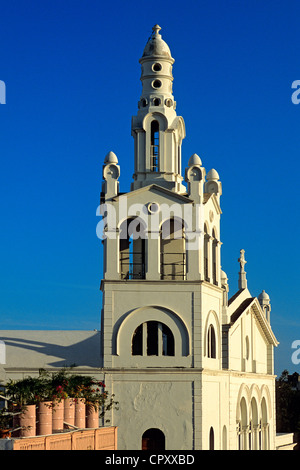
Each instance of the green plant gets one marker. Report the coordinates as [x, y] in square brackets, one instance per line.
[53, 384]
[90, 389]
[24, 391]
[58, 385]
[5, 419]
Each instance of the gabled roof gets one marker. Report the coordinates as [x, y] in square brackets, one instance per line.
[183, 197]
[238, 312]
[253, 303]
[211, 196]
[235, 296]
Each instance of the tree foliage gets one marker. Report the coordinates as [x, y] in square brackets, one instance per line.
[288, 403]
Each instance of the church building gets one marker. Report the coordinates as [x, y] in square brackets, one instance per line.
[191, 367]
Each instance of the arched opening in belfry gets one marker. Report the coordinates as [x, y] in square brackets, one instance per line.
[132, 249]
[214, 257]
[206, 253]
[172, 250]
[154, 151]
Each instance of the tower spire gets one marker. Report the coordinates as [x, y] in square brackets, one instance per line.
[157, 130]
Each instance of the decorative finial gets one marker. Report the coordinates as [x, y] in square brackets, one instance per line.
[242, 273]
[242, 260]
[156, 29]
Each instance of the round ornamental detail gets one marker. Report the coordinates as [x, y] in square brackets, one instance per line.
[169, 102]
[212, 188]
[153, 207]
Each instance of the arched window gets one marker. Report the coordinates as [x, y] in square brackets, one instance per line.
[250, 436]
[254, 424]
[153, 338]
[132, 249]
[211, 342]
[172, 250]
[239, 436]
[244, 423]
[153, 439]
[154, 152]
[206, 253]
[264, 425]
[224, 438]
[211, 439]
[259, 437]
[214, 257]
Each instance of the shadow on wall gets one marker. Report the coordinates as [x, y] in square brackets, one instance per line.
[64, 346]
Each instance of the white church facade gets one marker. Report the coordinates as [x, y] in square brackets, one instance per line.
[191, 368]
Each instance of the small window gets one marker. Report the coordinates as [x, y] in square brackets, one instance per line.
[247, 344]
[156, 84]
[156, 101]
[157, 67]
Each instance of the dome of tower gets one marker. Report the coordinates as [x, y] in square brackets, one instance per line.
[212, 175]
[156, 46]
[263, 296]
[111, 157]
[195, 160]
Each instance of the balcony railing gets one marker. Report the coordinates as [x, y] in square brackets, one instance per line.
[132, 266]
[173, 266]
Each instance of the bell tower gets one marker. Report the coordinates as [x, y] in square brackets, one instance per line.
[164, 294]
[157, 130]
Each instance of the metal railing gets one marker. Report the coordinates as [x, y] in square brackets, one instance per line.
[132, 265]
[174, 269]
[154, 154]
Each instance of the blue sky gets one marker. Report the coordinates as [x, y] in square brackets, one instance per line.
[72, 84]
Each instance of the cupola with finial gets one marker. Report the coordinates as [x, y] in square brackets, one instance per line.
[157, 130]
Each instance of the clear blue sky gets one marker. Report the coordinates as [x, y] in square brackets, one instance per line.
[73, 82]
